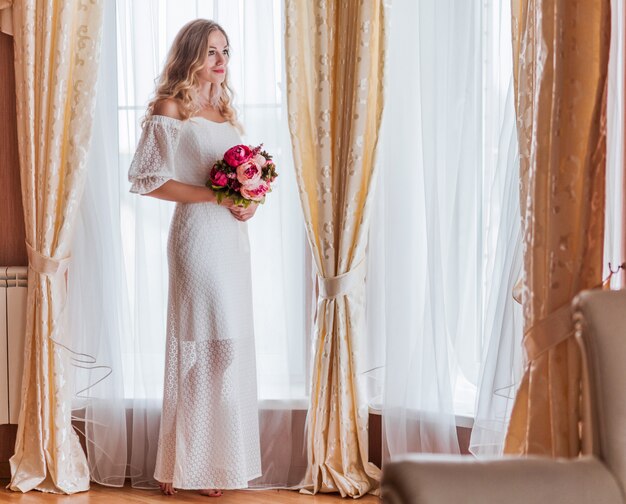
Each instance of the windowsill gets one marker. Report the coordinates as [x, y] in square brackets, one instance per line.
[302, 404]
[463, 421]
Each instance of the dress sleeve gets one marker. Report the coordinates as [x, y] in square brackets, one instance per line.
[153, 163]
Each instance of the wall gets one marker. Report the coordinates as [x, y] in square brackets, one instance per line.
[12, 236]
[12, 247]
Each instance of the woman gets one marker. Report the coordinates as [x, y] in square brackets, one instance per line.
[209, 434]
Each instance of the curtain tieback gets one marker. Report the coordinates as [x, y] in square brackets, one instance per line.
[333, 287]
[549, 332]
[552, 330]
[45, 265]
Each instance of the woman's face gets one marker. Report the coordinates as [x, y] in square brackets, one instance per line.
[214, 69]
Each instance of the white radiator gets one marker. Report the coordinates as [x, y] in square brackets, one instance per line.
[13, 287]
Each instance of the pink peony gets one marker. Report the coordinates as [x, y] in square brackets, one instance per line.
[256, 193]
[248, 174]
[237, 155]
[218, 178]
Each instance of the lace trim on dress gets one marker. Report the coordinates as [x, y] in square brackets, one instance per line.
[153, 163]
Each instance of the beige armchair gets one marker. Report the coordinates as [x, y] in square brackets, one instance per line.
[597, 479]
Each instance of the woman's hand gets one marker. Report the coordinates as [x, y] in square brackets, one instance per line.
[243, 214]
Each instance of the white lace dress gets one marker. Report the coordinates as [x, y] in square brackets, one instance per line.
[209, 434]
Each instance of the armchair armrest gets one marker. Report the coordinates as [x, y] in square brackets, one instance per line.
[429, 479]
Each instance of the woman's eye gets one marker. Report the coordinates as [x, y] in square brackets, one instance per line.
[211, 53]
[227, 52]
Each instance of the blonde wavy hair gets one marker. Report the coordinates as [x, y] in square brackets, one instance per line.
[179, 78]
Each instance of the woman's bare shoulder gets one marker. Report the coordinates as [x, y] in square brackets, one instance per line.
[169, 107]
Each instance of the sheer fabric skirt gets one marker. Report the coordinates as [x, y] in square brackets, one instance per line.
[209, 433]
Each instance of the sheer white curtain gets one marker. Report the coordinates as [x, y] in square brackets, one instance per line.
[98, 316]
[445, 241]
[119, 272]
[615, 220]
[444, 333]
[502, 358]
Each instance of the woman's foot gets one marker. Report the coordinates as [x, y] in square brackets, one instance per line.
[167, 489]
[211, 492]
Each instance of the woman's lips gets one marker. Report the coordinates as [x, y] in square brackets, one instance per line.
[218, 70]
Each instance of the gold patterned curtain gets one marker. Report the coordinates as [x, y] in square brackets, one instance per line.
[560, 52]
[56, 64]
[334, 51]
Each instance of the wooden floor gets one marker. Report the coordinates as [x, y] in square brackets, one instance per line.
[106, 495]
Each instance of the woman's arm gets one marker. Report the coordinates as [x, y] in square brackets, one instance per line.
[180, 192]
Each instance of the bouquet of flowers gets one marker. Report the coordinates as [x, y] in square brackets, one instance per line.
[244, 175]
